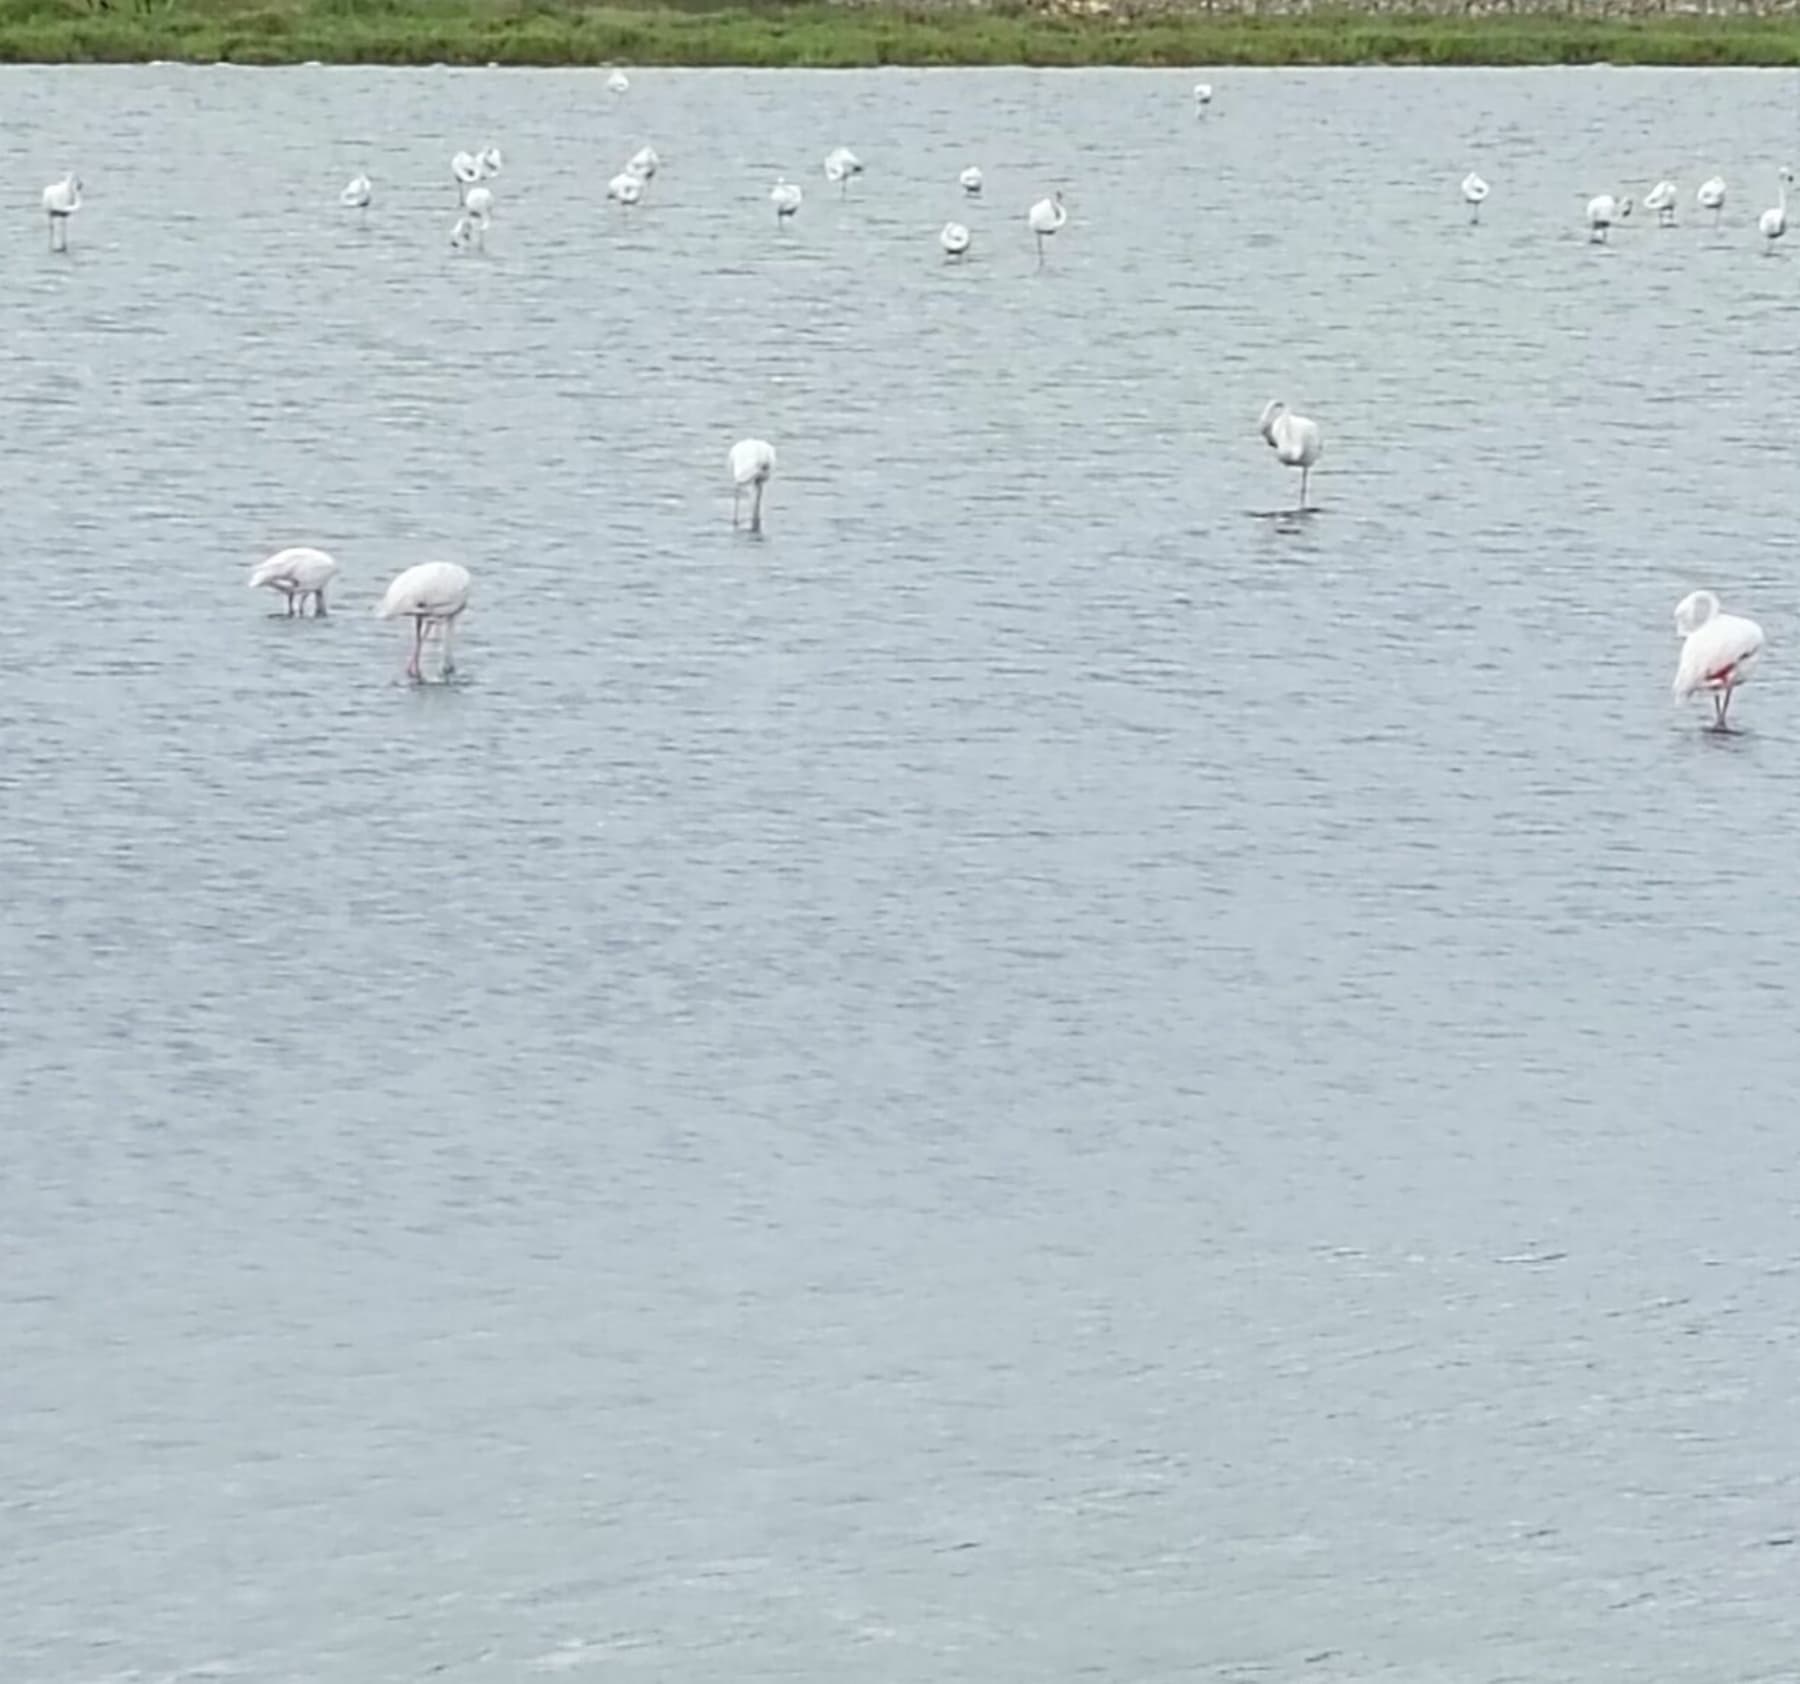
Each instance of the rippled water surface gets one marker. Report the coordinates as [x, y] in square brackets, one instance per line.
[1044, 1074]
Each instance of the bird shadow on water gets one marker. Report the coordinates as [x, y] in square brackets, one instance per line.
[1287, 520]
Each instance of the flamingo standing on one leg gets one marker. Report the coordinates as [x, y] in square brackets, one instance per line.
[1295, 439]
[1718, 651]
[752, 461]
[1772, 224]
[1046, 218]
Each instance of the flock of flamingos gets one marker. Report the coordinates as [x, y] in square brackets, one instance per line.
[1719, 651]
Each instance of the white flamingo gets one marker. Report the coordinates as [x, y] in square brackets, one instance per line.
[618, 83]
[643, 163]
[358, 193]
[625, 187]
[971, 181]
[297, 574]
[954, 239]
[1661, 199]
[1711, 196]
[1772, 224]
[1474, 192]
[1046, 217]
[465, 171]
[1202, 98]
[431, 595]
[1602, 212]
[488, 160]
[1718, 651]
[785, 196]
[840, 165]
[752, 461]
[62, 199]
[472, 226]
[1295, 440]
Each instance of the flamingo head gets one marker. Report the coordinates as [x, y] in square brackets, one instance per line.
[1625, 207]
[1785, 172]
[1270, 415]
[1694, 610]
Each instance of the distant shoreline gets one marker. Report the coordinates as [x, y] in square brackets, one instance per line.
[824, 36]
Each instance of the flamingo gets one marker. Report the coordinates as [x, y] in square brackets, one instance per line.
[297, 574]
[488, 160]
[1773, 222]
[1718, 651]
[971, 181]
[618, 83]
[62, 199]
[1202, 98]
[1295, 440]
[1474, 190]
[431, 595]
[472, 226]
[1603, 212]
[465, 170]
[840, 165]
[954, 239]
[625, 187]
[358, 193]
[644, 163]
[1046, 217]
[785, 196]
[1661, 199]
[1711, 196]
[752, 461]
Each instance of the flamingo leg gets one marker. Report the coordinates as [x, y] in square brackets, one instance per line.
[1304, 473]
[1040, 241]
[756, 509]
[412, 666]
[319, 603]
[449, 659]
[737, 506]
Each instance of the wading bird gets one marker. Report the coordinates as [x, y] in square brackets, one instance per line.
[1718, 651]
[785, 196]
[1046, 217]
[1772, 224]
[840, 165]
[1474, 191]
[1602, 212]
[297, 574]
[431, 595]
[954, 239]
[62, 199]
[1295, 440]
[752, 461]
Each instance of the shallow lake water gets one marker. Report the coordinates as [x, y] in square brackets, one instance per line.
[1046, 1072]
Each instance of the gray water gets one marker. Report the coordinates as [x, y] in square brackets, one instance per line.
[1043, 1074]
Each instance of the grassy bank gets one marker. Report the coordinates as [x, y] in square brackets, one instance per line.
[806, 32]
